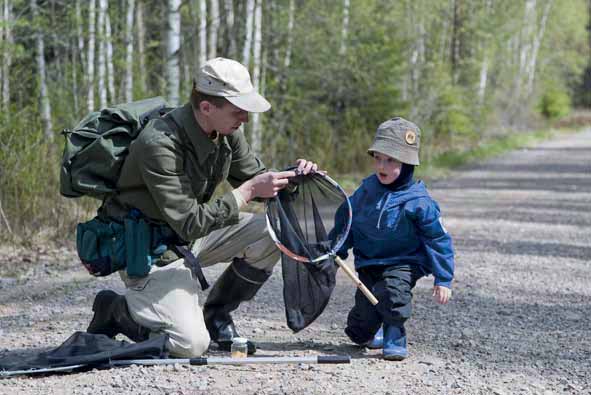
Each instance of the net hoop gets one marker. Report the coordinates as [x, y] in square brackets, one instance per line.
[339, 244]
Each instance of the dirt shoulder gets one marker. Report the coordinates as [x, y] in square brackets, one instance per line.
[519, 321]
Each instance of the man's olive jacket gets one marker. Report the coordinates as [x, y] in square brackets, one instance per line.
[171, 173]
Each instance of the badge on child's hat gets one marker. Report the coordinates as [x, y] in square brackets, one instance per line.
[410, 137]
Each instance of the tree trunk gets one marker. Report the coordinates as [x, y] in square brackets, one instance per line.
[202, 32]
[484, 63]
[248, 37]
[257, 137]
[7, 54]
[533, 58]
[214, 25]
[173, 45]
[416, 52]
[90, 55]
[290, 25]
[141, 47]
[45, 107]
[101, 66]
[483, 79]
[229, 9]
[288, 47]
[3, 47]
[128, 80]
[74, 55]
[4, 219]
[524, 46]
[109, 53]
[344, 27]
[456, 41]
[79, 31]
[77, 54]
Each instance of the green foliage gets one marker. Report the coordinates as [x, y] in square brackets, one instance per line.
[26, 180]
[452, 119]
[554, 103]
[457, 69]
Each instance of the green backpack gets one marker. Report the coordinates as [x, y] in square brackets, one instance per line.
[96, 148]
[91, 163]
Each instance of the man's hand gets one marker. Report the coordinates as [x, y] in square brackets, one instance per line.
[265, 185]
[442, 295]
[306, 167]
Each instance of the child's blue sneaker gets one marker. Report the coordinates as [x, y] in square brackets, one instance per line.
[377, 341]
[394, 343]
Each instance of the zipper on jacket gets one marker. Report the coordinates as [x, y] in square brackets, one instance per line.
[386, 198]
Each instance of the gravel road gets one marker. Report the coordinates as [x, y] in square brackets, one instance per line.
[519, 321]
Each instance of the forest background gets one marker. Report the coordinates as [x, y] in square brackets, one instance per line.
[467, 71]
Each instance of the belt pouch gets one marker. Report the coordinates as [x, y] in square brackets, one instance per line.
[101, 246]
[137, 245]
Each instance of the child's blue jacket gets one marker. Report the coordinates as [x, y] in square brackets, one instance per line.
[398, 227]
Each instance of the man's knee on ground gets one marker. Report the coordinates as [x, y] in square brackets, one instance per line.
[191, 345]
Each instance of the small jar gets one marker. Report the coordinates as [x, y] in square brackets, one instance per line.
[239, 348]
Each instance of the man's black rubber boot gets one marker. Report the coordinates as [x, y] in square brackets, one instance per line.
[111, 317]
[238, 283]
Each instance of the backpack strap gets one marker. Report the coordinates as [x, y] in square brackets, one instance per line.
[192, 263]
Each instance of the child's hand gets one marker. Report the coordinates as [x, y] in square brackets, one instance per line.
[442, 295]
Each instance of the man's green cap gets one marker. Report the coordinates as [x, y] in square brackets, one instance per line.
[399, 139]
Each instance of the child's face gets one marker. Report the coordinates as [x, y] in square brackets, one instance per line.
[387, 168]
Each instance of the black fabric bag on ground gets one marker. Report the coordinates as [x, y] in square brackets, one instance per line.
[87, 349]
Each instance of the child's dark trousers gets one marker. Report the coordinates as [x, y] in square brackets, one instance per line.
[392, 285]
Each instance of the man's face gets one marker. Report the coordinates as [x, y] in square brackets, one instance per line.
[387, 168]
[227, 118]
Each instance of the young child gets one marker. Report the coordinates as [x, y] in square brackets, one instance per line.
[397, 237]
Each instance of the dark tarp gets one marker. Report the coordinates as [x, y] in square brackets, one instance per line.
[89, 350]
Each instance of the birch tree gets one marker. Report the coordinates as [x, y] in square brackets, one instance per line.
[415, 32]
[109, 59]
[202, 32]
[101, 54]
[78, 13]
[246, 49]
[128, 79]
[529, 40]
[344, 27]
[256, 74]
[77, 56]
[45, 107]
[90, 54]
[229, 10]
[173, 45]
[3, 46]
[484, 62]
[8, 40]
[214, 25]
[530, 70]
[141, 46]
[456, 26]
[288, 47]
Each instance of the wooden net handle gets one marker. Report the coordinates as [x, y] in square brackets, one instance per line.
[356, 280]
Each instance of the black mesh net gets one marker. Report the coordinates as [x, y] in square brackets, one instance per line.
[301, 222]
